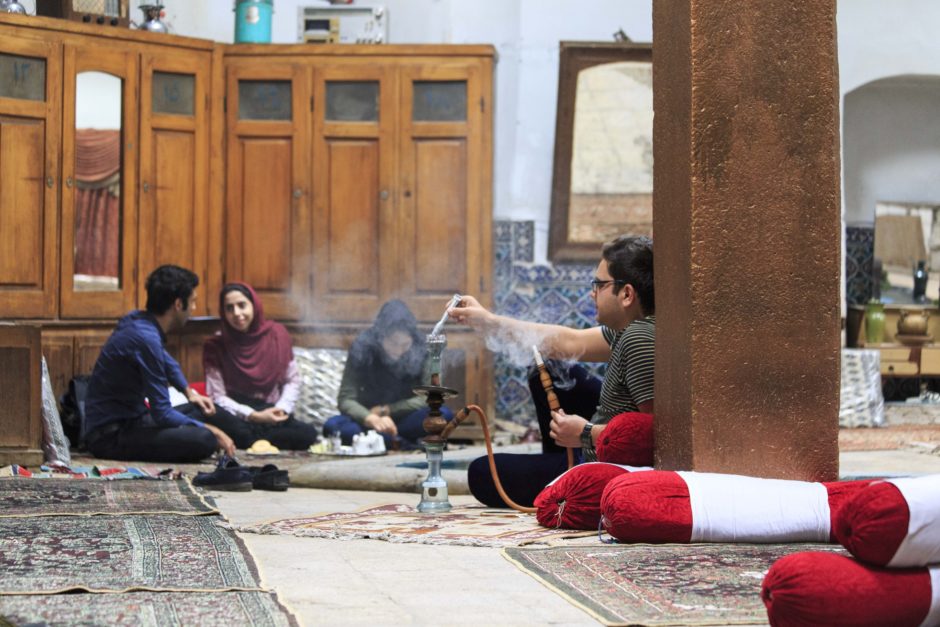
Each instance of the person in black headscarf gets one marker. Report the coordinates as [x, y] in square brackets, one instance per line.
[385, 363]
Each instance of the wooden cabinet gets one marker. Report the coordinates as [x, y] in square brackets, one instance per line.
[104, 139]
[377, 177]
[331, 178]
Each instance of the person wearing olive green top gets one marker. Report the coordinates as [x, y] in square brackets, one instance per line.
[385, 363]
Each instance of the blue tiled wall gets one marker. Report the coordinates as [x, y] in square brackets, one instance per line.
[557, 294]
[859, 252]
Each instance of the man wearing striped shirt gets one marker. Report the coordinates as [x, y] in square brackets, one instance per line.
[623, 294]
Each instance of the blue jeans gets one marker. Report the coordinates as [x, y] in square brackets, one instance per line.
[410, 429]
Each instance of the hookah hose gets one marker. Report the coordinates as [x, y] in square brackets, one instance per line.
[460, 417]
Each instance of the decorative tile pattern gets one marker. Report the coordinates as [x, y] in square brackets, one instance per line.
[556, 294]
[859, 253]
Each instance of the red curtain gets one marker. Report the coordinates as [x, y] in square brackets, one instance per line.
[97, 202]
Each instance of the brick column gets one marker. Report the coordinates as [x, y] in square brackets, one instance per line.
[747, 236]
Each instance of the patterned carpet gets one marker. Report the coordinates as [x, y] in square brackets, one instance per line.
[671, 584]
[473, 526]
[170, 609]
[77, 497]
[109, 553]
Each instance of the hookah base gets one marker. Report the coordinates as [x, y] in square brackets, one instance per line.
[434, 499]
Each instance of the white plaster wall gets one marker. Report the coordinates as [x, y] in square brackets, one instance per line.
[891, 145]
[880, 38]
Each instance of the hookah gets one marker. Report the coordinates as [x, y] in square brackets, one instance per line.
[434, 488]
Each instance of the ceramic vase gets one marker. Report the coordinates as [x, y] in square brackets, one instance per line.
[874, 323]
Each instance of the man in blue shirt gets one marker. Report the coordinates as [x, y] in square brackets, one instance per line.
[128, 414]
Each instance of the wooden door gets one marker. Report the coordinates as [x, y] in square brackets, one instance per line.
[30, 105]
[354, 240]
[20, 382]
[443, 218]
[99, 167]
[267, 205]
[174, 166]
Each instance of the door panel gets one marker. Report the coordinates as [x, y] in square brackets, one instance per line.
[353, 233]
[30, 114]
[441, 224]
[268, 231]
[99, 166]
[174, 166]
[265, 182]
[355, 248]
[22, 143]
[440, 243]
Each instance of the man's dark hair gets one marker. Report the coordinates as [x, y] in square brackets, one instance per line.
[166, 284]
[630, 260]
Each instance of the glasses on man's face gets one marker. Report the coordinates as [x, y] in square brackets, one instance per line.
[598, 284]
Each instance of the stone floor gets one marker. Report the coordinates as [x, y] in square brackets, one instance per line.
[353, 582]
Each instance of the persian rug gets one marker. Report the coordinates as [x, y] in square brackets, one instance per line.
[69, 497]
[221, 609]
[468, 525]
[663, 584]
[87, 472]
[46, 554]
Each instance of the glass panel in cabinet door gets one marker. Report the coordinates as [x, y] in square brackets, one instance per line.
[439, 101]
[352, 101]
[98, 188]
[23, 78]
[264, 100]
[173, 93]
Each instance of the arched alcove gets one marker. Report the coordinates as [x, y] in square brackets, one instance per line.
[891, 144]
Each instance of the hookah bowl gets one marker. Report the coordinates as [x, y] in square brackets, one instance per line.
[434, 488]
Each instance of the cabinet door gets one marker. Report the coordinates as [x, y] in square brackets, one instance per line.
[268, 230]
[174, 166]
[443, 225]
[30, 105]
[354, 239]
[99, 165]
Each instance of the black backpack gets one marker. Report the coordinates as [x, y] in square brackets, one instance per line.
[72, 413]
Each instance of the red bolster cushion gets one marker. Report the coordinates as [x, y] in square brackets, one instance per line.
[656, 507]
[199, 386]
[627, 439]
[573, 500]
[816, 588]
[893, 523]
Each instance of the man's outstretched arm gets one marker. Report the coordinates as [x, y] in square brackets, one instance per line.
[553, 340]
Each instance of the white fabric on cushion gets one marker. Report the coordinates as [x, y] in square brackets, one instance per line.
[734, 508]
[922, 544]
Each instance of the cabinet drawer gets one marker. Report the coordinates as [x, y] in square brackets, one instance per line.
[895, 354]
[930, 361]
[898, 367]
